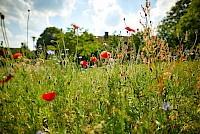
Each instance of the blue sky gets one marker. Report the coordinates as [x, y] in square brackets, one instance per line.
[97, 16]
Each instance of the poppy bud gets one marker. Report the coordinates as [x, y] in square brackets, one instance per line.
[75, 26]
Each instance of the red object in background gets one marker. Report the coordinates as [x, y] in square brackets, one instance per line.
[17, 55]
[7, 79]
[84, 63]
[120, 56]
[184, 58]
[93, 59]
[75, 26]
[123, 74]
[49, 96]
[105, 54]
[129, 29]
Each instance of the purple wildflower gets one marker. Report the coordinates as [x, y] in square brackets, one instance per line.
[39, 132]
[166, 106]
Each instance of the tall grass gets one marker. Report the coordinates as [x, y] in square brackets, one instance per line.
[100, 100]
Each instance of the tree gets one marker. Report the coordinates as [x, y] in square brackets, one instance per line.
[54, 39]
[190, 22]
[70, 39]
[87, 45]
[79, 39]
[48, 37]
[137, 41]
[168, 28]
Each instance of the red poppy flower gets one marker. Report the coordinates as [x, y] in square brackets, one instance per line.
[84, 63]
[105, 54]
[49, 96]
[93, 59]
[17, 55]
[6, 79]
[129, 29]
[75, 26]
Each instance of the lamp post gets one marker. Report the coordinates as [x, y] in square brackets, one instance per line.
[27, 26]
[1, 44]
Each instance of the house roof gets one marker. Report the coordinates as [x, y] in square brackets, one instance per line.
[102, 38]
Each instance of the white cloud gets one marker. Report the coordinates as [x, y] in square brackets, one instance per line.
[108, 17]
[101, 5]
[100, 16]
[86, 12]
[3, 36]
[159, 12]
[16, 13]
[105, 21]
[54, 7]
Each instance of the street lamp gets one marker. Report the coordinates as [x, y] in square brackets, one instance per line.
[27, 26]
[1, 44]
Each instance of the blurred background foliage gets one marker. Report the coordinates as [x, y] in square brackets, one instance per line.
[182, 24]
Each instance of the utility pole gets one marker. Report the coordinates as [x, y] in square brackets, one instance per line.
[27, 26]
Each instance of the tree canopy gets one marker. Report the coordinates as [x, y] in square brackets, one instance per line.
[71, 41]
[181, 19]
[190, 22]
[49, 36]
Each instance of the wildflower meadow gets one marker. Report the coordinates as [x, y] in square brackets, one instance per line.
[112, 91]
